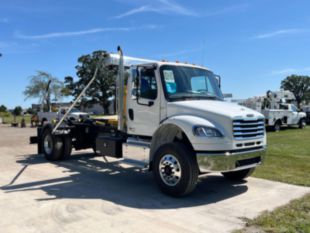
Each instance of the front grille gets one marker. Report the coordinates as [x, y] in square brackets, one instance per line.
[248, 129]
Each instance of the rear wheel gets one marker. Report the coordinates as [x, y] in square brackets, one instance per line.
[277, 126]
[302, 123]
[67, 141]
[52, 145]
[238, 175]
[175, 169]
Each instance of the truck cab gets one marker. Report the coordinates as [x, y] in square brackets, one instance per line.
[293, 115]
[174, 102]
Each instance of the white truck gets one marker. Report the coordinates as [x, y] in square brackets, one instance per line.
[286, 115]
[172, 121]
[279, 109]
[75, 114]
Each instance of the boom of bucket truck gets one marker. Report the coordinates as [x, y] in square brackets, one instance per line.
[171, 120]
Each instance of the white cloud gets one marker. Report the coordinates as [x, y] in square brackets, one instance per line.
[288, 71]
[281, 32]
[229, 9]
[84, 32]
[160, 7]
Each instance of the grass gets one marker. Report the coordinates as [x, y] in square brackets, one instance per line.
[293, 217]
[8, 118]
[288, 157]
[287, 160]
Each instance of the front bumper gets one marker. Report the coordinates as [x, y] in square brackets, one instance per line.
[230, 161]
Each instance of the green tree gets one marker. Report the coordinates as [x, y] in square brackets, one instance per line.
[3, 108]
[299, 85]
[45, 87]
[102, 89]
[17, 111]
[30, 111]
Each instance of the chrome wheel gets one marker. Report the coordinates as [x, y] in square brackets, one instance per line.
[48, 144]
[170, 170]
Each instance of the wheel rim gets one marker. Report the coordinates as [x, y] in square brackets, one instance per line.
[48, 144]
[170, 170]
[303, 124]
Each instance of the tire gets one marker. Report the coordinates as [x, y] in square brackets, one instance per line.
[175, 169]
[52, 146]
[67, 147]
[238, 175]
[95, 150]
[277, 126]
[302, 123]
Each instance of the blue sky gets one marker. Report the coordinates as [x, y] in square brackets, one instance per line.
[253, 44]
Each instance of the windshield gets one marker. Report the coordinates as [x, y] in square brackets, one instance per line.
[73, 110]
[181, 83]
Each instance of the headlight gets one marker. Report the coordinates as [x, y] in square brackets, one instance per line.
[204, 131]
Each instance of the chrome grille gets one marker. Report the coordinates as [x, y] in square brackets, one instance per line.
[248, 128]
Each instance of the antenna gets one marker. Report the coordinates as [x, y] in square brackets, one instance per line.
[203, 52]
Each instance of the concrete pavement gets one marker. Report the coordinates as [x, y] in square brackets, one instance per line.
[86, 194]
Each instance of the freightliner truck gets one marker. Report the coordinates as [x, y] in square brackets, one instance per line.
[171, 120]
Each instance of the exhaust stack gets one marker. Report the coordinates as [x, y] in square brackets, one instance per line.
[120, 91]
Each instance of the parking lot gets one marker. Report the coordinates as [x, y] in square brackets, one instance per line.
[88, 194]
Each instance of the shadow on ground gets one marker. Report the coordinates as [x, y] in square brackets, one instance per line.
[89, 178]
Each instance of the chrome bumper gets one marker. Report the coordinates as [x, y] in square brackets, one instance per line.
[229, 161]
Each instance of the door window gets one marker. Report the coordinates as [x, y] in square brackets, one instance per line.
[294, 109]
[148, 85]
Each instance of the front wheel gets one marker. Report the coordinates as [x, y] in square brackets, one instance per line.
[302, 123]
[238, 175]
[175, 169]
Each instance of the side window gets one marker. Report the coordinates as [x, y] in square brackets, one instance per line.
[148, 86]
[283, 107]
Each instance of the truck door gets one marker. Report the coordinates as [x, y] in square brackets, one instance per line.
[293, 115]
[143, 103]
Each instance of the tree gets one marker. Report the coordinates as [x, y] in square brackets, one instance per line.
[30, 111]
[102, 89]
[3, 108]
[17, 111]
[299, 85]
[45, 87]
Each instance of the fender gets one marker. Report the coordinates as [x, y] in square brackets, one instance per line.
[177, 127]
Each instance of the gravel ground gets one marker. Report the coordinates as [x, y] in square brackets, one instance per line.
[87, 194]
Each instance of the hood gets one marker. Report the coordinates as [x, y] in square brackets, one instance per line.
[211, 107]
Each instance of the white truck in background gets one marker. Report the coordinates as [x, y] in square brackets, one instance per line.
[171, 120]
[279, 109]
[75, 114]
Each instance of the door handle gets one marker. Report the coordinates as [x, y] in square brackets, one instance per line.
[131, 114]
